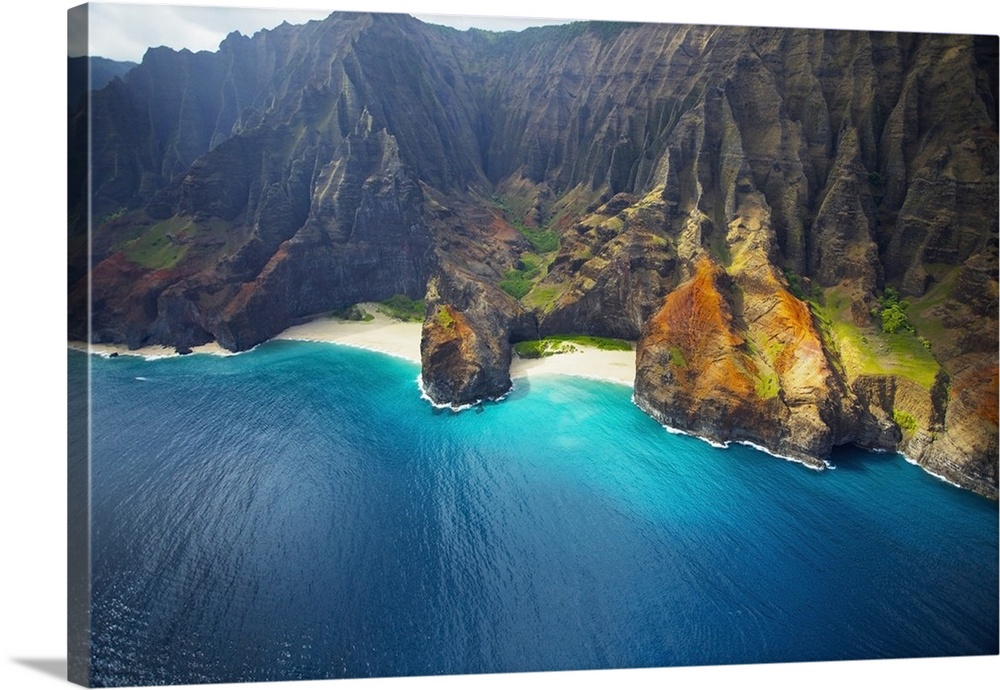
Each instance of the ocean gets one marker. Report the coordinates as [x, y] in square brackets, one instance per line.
[299, 512]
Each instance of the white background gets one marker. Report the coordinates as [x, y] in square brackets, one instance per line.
[33, 356]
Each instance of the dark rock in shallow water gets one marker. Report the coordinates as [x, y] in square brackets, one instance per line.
[465, 347]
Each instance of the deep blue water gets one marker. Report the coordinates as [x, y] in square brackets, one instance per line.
[299, 512]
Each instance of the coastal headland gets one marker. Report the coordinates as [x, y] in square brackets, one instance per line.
[798, 229]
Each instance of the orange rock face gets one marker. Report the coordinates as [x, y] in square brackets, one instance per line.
[452, 367]
[694, 369]
[739, 359]
[695, 327]
[465, 348]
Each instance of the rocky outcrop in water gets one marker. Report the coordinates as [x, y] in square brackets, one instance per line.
[465, 350]
[798, 227]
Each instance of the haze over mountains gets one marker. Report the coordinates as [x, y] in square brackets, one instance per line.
[102, 71]
[798, 227]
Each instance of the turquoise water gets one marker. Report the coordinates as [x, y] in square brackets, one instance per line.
[299, 512]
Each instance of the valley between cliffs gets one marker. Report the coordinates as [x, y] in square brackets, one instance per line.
[798, 228]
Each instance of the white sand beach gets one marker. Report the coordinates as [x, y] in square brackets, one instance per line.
[381, 334]
[617, 366]
[402, 339]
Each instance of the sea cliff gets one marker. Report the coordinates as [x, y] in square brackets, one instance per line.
[799, 227]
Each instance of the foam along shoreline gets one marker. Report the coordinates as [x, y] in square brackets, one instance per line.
[147, 352]
[402, 339]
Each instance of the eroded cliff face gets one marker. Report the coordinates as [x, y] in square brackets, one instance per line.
[749, 205]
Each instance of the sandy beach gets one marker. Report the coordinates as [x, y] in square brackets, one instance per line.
[616, 366]
[402, 339]
[381, 334]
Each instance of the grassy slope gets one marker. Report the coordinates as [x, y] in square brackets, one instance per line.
[867, 350]
[403, 308]
[166, 243]
[523, 283]
[564, 343]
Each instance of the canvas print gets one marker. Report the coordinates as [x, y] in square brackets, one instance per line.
[405, 348]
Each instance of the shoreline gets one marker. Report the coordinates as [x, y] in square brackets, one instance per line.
[610, 366]
[148, 352]
[380, 334]
[401, 339]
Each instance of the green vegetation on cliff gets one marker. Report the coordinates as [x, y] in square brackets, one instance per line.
[677, 357]
[517, 282]
[928, 311]
[534, 349]
[156, 247]
[526, 283]
[601, 343]
[353, 313]
[114, 215]
[892, 313]
[905, 420]
[543, 296]
[444, 318]
[556, 344]
[870, 349]
[797, 286]
[767, 386]
[403, 308]
[163, 245]
[544, 241]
